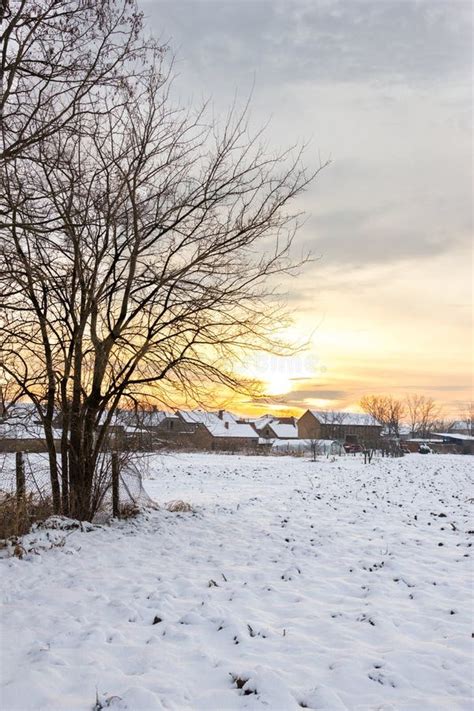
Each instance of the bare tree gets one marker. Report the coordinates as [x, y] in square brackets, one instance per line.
[423, 412]
[10, 393]
[376, 406]
[56, 56]
[315, 448]
[467, 417]
[443, 424]
[135, 260]
[385, 409]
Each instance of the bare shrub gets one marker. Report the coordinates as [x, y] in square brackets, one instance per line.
[179, 506]
[18, 515]
[129, 510]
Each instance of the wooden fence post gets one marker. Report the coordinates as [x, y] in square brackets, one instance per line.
[20, 476]
[115, 485]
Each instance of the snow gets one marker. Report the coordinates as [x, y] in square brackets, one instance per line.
[330, 585]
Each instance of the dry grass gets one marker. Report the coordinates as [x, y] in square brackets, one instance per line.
[179, 506]
[18, 515]
[129, 510]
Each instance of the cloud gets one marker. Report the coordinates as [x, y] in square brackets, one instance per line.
[318, 393]
[373, 235]
[452, 387]
[385, 87]
[333, 41]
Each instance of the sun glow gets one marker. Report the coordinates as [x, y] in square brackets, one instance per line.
[277, 384]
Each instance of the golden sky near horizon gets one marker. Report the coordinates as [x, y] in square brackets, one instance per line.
[400, 337]
[384, 90]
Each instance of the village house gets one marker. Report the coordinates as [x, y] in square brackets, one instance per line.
[464, 443]
[259, 422]
[279, 430]
[350, 427]
[216, 431]
[21, 430]
[271, 427]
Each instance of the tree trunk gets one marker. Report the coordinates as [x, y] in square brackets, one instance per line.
[65, 473]
[65, 408]
[20, 477]
[115, 485]
[53, 467]
[76, 468]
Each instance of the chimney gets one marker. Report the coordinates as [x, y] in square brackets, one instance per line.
[221, 414]
[226, 425]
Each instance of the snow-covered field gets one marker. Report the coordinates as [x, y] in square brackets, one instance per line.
[328, 585]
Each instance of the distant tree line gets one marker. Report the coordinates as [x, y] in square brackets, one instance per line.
[421, 413]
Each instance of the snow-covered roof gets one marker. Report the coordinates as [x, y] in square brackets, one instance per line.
[426, 440]
[199, 417]
[136, 418]
[263, 420]
[452, 435]
[20, 408]
[461, 427]
[154, 418]
[20, 430]
[357, 419]
[233, 430]
[284, 431]
[216, 426]
[22, 414]
[226, 416]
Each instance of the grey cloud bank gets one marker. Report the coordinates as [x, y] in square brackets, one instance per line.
[327, 40]
[384, 87]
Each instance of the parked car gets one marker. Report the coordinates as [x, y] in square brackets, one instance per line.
[350, 448]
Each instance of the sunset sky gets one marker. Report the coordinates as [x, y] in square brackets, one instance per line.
[383, 88]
